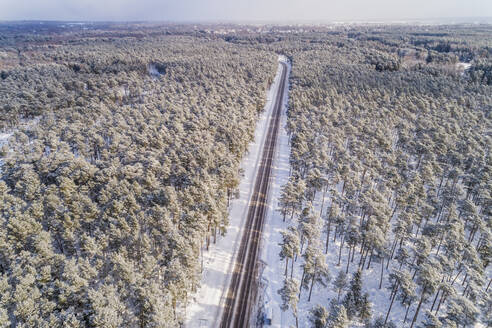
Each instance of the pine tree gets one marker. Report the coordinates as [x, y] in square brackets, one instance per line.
[289, 247]
[315, 268]
[431, 321]
[428, 280]
[340, 283]
[318, 317]
[340, 320]
[353, 299]
[365, 309]
[289, 296]
[380, 322]
[462, 311]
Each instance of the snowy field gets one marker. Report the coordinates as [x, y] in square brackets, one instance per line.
[205, 307]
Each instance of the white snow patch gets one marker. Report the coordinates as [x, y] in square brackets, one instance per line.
[205, 307]
[462, 67]
[3, 140]
[153, 71]
[24, 124]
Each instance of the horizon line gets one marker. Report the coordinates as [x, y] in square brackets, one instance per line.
[279, 22]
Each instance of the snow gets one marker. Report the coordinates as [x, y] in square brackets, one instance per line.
[25, 124]
[153, 71]
[4, 137]
[3, 140]
[205, 308]
[463, 66]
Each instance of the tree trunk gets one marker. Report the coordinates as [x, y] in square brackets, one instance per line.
[393, 213]
[443, 297]
[348, 259]
[393, 247]
[382, 268]
[440, 212]
[312, 284]
[328, 234]
[201, 253]
[340, 251]
[435, 299]
[302, 279]
[362, 255]
[440, 243]
[464, 279]
[370, 258]
[418, 308]
[208, 236]
[291, 267]
[215, 234]
[286, 265]
[406, 313]
[323, 202]
[440, 184]
[456, 277]
[302, 243]
[391, 305]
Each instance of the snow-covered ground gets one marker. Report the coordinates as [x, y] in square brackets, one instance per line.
[3, 140]
[4, 137]
[205, 307]
[24, 124]
[462, 67]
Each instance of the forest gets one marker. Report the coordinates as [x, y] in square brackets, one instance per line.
[123, 156]
[388, 205]
[124, 150]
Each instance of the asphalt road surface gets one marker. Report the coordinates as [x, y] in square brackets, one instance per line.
[244, 285]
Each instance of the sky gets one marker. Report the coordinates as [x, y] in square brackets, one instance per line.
[241, 10]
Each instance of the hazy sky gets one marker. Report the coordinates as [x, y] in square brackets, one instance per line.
[241, 10]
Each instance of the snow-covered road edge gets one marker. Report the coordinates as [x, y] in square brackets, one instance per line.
[205, 307]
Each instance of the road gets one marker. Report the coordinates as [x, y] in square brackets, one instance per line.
[242, 290]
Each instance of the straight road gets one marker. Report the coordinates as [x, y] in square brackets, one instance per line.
[242, 290]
